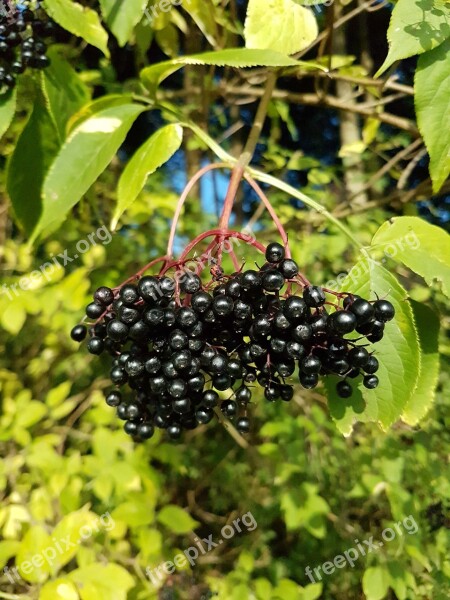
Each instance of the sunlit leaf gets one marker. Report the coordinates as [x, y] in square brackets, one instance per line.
[280, 25]
[147, 159]
[416, 26]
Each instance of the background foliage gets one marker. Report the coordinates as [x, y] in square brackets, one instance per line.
[125, 96]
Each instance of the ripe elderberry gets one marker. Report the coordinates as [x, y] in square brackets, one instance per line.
[22, 31]
[184, 351]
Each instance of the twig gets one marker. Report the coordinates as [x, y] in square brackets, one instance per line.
[231, 430]
[388, 166]
[382, 101]
[356, 11]
[314, 100]
[256, 216]
[409, 168]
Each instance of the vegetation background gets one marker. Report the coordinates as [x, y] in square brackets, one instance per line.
[357, 144]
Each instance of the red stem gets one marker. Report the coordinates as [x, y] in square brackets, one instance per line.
[183, 198]
[271, 211]
[225, 235]
[139, 273]
[218, 236]
[235, 180]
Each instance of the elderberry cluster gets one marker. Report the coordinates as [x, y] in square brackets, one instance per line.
[22, 34]
[187, 349]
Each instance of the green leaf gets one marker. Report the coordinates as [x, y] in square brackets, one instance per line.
[135, 513]
[176, 519]
[416, 26]
[398, 354]
[35, 150]
[58, 394]
[95, 106]
[8, 548]
[398, 578]
[422, 247]
[74, 528]
[202, 14]
[79, 20]
[7, 110]
[13, 317]
[432, 101]
[286, 589]
[427, 323]
[35, 542]
[63, 90]
[32, 415]
[280, 25]
[304, 507]
[240, 58]
[83, 157]
[60, 589]
[312, 591]
[102, 582]
[122, 17]
[147, 159]
[375, 583]
[168, 40]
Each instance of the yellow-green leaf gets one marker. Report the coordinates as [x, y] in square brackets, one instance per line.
[422, 247]
[398, 354]
[203, 15]
[13, 317]
[176, 519]
[33, 559]
[233, 57]
[7, 110]
[280, 25]
[375, 583]
[416, 26]
[82, 158]
[70, 532]
[60, 589]
[147, 159]
[102, 582]
[427, 323]
[122, 16]
[79, 20]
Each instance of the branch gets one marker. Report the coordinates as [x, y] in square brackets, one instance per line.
[388, 166]
[409, 168]
[332, 102]
[369, 6]
[249, 150]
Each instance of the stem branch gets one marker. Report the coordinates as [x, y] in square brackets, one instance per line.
[249, 150]
[182, 200]
[272, 213]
